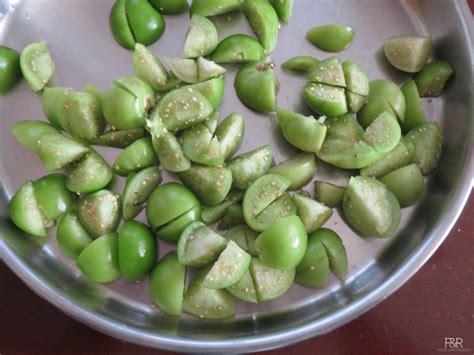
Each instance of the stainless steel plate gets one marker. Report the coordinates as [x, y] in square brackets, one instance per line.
[84, 51]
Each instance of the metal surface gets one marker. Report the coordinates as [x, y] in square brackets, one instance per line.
[84, 51]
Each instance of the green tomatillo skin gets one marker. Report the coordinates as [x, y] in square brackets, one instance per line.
[433, 77]
[133, 21]
[99, 212]
[25, 211]
[170, 7]
[248, 167]
[210, 184]
[328, 194]
[335, 249]
[233, 216]
[408, 53]
[127, 102]
[414, 113]
[257, 86]
[201, 39]
[244, 289]
[283, 8]
[50, 102]
[137, 156]
[370, 208]
[331, 38]
[138, 189]
[302, 63]
[238, 48]
[407, 184]
[172, 231]
[99, 260]
[36, 65]
[167, 282]
[264, 21]
[299, 170]
[313, 270]
[91, 174]
[71, 236]
[52, 196]
[137, 250]
[167, 202]
[29, 132]
[10, 72]
[305, 133]
[209, 8]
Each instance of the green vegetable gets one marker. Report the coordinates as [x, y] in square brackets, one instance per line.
[36, 65]
[99, 212]
[10, 72]
[201, 38]
[138, 189]
[257, 86]
[270, 283]
[29, 132]
[137, 250]
[56, 151]
[137, 156]
[207, 302]
[210, 184]
[52, 196]
[126, 103]
[25, 212]
[238, 48]
[199, 245]
[99, 260]
[407, 184]
[71, 236]
[312, 213]
[433, 77]
[328, 194]
[370, 208]
[283, 244]
[303, 63]
[248, 167]
[414, 113]
[400, 156]
[170, 7]
[326, 100]
[428, 143]
[299, 170]
[213, 7]
[133, 21]
[283, 8]
[91, 174]
[167, 283]
[149, 68]
[408, 53]
[331, 38]
[264, 21]
[119, 138]
[229, 267]
[305, 133]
